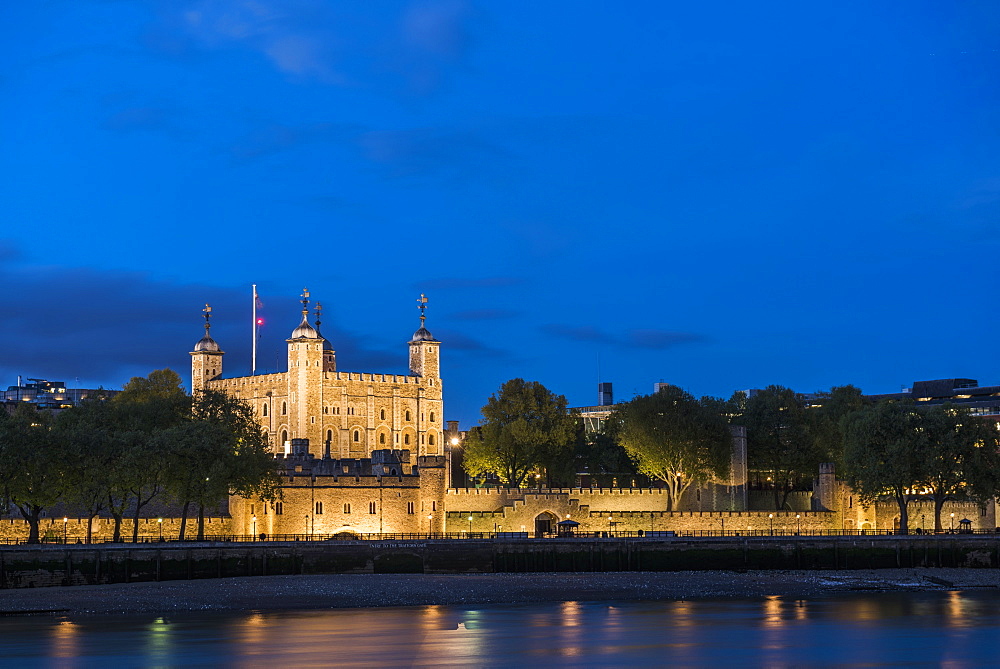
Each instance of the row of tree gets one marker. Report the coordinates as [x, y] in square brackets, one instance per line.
[888, 449]
[149, 442]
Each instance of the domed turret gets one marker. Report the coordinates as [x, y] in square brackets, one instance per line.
[206, 345]
[423, 334]
[304, 330]
[424, 359]
[206, 358]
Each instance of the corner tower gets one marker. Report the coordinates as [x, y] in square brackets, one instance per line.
[206, 358]
[425, 350]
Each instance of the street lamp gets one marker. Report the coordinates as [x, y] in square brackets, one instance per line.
[470, 525]
[723, 521]
[770, 517]
[253, 526]
[953, 523]
[798, 524]
[159, 522]
[66, 520]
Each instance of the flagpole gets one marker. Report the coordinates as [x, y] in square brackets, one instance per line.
[253, 361]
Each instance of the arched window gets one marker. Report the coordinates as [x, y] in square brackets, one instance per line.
[381, 414]
[284, 437]
[407, 415]
[357, 436]
[432, 416]
[264, 409]
[381, 438]
[430, 440]
[406, 438]
[329, 435]
[284, 408]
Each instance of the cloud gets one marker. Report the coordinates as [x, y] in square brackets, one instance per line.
[456, 341]
[641, 338]
[483, 315]
[334, 43]
[104, 326]
[460, 283]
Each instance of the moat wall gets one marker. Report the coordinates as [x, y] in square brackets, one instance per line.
[41, 566]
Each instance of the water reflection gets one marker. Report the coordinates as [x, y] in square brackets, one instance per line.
[940, 628]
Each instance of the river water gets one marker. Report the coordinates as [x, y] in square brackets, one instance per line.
[952, 629]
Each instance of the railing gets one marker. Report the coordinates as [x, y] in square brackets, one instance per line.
[499, 536]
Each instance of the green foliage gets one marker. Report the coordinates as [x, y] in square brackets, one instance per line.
[883, 448]
[524, 428]
[780, 445]
[673, 437]
[825, 420]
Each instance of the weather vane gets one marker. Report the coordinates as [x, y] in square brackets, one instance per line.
[305, 300]
[422, 305]
[319, 312]
[208, 315]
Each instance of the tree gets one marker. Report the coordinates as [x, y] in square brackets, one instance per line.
[87, 433]
[883, 447]
[33, 464]
[673, 437]
[778, 439]
[146, 407]
[220, 450]
[959, 457]
[525, 427]
[825, 416]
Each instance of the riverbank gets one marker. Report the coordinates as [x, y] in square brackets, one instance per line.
[277, 593]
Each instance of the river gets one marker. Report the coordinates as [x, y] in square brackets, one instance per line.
[944, 628]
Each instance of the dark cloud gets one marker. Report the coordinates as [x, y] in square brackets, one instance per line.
[577, 333]
[643, 338]
[104, 326]
[660, 339]
[458, 283]
[456, 341]
[483, 315]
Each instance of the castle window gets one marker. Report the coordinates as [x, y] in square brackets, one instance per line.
[252, 509]
[434, 506]
[407, 415]
[325, 409]
[284, 437]
[312, 419]
[430, 440]
[264, 409]
[371, 507]
[347, 507]
[432, 416]
[284, 408]
[357, 436]
[319, 508]
[278, 508]
[329, 435]
[347, 469]
[406, 439]
[381, 439]
[381, 414]
[409, 507]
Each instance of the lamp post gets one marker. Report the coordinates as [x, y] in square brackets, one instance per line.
[253, 526]
[798, 524]
[430, 525]
[159, 522]
[66, 522]
[723, 522]
[953, 523]
[307, 527]
[470, 526]
[770, 518]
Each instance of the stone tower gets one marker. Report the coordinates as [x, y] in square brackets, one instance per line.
[206, 358]
[425, 350]
[305, 379]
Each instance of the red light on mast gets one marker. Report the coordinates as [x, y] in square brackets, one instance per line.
[260, 321]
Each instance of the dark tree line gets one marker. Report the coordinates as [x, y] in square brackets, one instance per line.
[150, 441]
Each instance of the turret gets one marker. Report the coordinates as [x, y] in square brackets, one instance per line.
[206, 358]
[305, 371]
[425, 350]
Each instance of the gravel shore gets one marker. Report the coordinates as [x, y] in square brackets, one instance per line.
[275, 593]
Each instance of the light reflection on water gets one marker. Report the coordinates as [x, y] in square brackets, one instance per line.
[953, 629]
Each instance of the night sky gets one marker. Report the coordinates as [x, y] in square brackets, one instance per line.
[718, 195]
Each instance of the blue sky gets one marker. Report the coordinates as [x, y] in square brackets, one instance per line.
[720, 195]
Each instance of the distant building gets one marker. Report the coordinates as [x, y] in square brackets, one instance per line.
[979, 400]
[48, 395]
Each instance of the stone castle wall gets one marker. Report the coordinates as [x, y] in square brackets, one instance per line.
[75, 528]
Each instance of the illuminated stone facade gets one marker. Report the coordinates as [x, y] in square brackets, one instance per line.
[342, 414]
